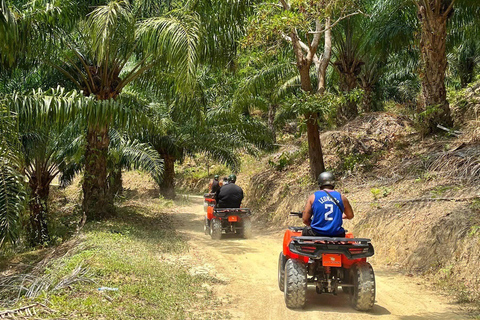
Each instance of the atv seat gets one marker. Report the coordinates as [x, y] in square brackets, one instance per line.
[223, 212]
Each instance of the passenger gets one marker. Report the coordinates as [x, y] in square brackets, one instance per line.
[326, 209]
[214, 185]
[230, 195]
[225, 181]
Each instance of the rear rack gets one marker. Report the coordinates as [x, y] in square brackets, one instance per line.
[313, 247]
[224, 212]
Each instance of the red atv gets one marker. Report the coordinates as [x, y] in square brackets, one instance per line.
[328, 263]
[228, 220]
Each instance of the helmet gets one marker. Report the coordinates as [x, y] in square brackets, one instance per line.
[216, 177]
[326, 179]
[232, 178]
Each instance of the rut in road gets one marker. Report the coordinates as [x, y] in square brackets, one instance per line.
[249, 268]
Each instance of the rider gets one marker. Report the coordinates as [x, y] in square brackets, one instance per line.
[230, 195]
[225, 181]
[214, 185]
[325, 210]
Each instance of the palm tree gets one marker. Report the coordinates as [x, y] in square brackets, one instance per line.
[101, 53]
[434, 19]
[130, 154]
[12, 189]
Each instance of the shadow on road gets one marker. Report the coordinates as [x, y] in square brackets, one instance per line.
[336, 304]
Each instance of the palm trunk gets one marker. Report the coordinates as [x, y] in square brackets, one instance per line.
[167, 186]
[367, 99]
[115, 183]
[96, 202]
[434, 59]
[348, 82]
[38, 227]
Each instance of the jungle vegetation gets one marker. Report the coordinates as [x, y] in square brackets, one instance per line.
[95, 87]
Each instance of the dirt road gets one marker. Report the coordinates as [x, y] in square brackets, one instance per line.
[250, 290]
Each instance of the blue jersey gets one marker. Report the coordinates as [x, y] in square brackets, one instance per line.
[327, 217]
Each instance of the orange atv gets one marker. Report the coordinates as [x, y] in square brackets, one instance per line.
[328, 263]
[228, 220]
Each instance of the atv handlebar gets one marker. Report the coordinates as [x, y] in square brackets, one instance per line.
[296, 214]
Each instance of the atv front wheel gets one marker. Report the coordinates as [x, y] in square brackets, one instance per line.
[363, 291]
[295, 288]
[281, 271]
[246, 228]
[216, 229]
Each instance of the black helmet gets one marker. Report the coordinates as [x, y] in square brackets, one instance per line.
[232, 178]
[216, 177]
[326, 179]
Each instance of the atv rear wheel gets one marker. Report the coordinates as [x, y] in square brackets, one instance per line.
[295, 288]
[246, 228]
[363, 291]
[281, 271]
[216, 229]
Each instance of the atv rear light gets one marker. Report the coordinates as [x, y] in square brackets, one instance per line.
[232, 219]
[308, 249]
[358, 250]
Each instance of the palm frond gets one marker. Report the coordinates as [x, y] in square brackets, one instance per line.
[174, 39]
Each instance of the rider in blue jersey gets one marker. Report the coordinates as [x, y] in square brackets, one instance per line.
[326, 209]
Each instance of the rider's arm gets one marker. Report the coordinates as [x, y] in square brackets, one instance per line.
[348, 213]
[307, 212]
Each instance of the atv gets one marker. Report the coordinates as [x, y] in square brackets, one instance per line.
[228, 220]
[327, 263]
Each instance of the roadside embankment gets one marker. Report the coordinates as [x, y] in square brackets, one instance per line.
[417, 199]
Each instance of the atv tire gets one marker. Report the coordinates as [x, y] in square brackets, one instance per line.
[295, 288]
[216, 229]
[246, 228]
[281, 271]
[363, 291]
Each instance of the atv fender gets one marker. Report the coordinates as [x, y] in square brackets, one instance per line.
[287, 238]
[210, 212]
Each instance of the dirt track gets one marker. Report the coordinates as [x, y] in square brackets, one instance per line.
[250, 290]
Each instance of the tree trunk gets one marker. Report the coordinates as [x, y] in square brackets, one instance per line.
[38, 227]
[347, 111]
[115, 183]
[167, 186]
[96, 202]
[272, 109]
[433, 50]
[315, 152]
[349, 68]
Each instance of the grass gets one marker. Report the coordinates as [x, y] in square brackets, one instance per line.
[134, 252]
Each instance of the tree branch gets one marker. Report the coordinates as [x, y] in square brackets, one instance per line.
[336, 22]
[449, 9]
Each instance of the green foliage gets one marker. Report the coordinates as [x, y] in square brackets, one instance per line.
[285, 159]
[380, 192]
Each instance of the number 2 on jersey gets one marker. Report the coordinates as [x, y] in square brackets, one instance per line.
[328, 206]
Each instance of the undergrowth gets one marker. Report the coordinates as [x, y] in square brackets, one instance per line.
[130, 254]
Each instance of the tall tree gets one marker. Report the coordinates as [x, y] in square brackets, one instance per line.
[293, 22]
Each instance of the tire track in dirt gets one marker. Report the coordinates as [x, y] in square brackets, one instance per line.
[251, 291]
